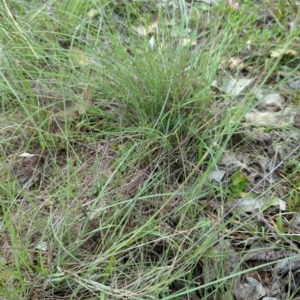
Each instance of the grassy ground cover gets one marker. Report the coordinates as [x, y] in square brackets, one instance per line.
[126, 149]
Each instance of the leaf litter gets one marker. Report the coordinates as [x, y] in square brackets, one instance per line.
[265, 126]
[258, 158]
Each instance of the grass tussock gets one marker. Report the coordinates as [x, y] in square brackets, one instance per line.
[111, 126]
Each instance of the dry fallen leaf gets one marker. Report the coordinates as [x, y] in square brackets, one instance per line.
[235, 87]
[279, 52]
[252, 289]
[216, 176]
[257, 118]
[294, 84]
[265, 252]
[283, 267]
[236, 63]
[187, 42]
[79, 57]
[253, 205]
[144, 30]
[258, 134]
[270, 102]
[79, 108]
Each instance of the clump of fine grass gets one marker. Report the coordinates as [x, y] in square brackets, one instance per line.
[115, 208]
